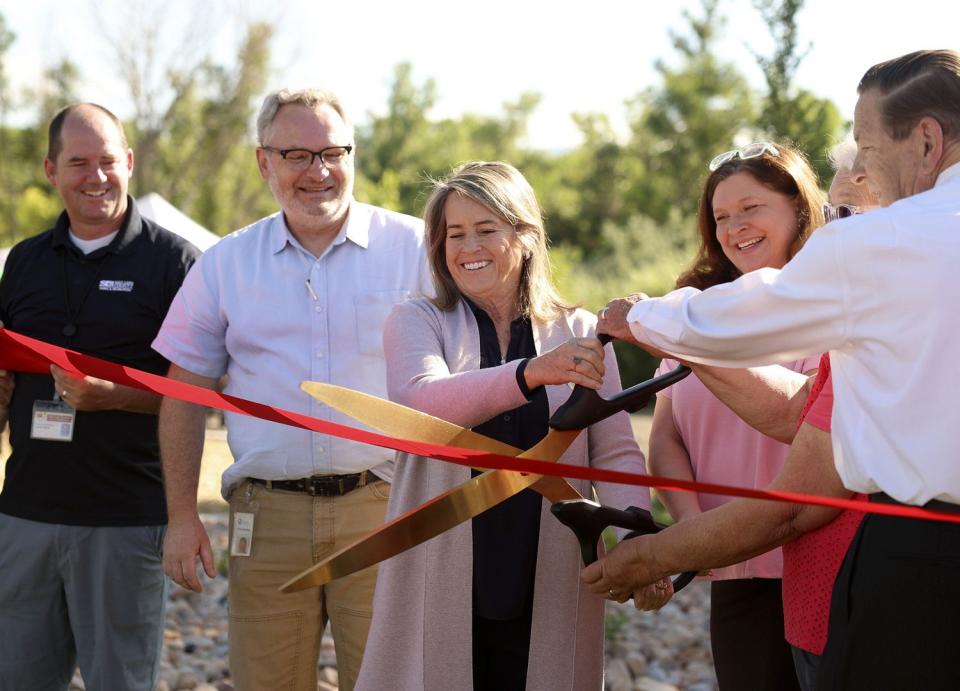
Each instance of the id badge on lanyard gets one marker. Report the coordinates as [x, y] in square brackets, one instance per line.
[53, 420]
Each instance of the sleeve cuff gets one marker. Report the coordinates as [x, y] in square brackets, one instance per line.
[522, 382]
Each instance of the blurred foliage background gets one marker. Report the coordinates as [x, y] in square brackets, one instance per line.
[620, 207]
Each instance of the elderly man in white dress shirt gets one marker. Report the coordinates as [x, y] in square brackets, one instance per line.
[299, 295]
[874, 290]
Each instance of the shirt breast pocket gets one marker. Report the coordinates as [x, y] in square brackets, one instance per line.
[372, 310]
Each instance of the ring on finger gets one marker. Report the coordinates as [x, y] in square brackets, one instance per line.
[603, 313]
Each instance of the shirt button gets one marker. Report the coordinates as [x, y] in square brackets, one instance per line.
[319, 354]
[506, 418]
[319, 449]
[319, 309]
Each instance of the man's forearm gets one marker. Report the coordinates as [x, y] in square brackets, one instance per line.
[181, 435]
[137, 400]
[769, 399]
[723, 536]
[182, 427]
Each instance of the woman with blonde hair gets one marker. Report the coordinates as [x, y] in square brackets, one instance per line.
[494, 603]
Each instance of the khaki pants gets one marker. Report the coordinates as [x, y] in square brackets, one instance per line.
[275, 637]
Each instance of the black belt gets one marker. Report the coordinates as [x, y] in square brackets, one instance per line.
[933, 504]
[321, 485]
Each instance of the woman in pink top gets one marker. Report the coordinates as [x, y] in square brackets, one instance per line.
[759, 205]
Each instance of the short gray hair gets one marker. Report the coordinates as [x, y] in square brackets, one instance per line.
[843, 153]
[311, 98]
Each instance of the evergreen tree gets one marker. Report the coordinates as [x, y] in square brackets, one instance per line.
[797, 115]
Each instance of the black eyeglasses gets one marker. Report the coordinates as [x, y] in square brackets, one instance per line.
[332, 156]
[833, 212]
[750, 151]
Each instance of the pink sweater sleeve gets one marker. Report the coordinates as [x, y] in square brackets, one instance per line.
[418, 375]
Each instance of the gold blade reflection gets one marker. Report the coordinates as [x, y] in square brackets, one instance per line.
[431, 518]
[402, 422]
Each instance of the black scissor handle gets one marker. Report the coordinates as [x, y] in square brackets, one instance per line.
[588, 519]
[585, 406]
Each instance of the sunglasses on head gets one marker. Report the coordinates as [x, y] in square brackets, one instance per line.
[750, 151]
[834, 212]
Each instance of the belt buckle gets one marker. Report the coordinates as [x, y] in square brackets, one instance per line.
[321, 486]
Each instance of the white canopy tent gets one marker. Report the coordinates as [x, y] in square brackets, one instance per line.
[162, 212]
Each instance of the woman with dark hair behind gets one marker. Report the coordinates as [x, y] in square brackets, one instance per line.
[759, 205]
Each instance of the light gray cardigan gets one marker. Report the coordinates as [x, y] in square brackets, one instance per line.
[421, 635]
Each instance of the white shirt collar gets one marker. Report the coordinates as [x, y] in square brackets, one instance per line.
[948, 174]
[356, 228]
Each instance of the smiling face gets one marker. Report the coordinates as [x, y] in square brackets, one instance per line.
[91, 173]
[756, 226]
[315, 199]
[484, 255]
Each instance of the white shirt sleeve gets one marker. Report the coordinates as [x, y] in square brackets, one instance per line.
[764, 317]
[193, 334]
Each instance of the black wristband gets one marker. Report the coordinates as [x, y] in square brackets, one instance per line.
[522, 382]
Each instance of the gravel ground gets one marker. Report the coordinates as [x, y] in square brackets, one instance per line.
[646, 651]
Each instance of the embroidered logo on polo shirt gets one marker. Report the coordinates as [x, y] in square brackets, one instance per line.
[116, 286]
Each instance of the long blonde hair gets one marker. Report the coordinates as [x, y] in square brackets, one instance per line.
[502, 189]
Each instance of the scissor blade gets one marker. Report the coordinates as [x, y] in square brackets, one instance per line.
[406, 423]
[431, 518]
[400, 421]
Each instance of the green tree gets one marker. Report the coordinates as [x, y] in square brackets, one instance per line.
[583, 190]
[678, 126]
[28, 204]
[398, 152]
[7, 38]
[394, 151]
[797, 115]
[192, 115]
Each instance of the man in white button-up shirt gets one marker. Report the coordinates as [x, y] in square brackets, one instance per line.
[299, 295]
[874, 290]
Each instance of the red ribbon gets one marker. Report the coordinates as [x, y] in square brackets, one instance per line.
[19, 353]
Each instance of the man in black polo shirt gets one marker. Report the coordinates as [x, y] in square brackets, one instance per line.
[82, 511]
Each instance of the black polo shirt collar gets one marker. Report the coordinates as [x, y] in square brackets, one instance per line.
[130, 230]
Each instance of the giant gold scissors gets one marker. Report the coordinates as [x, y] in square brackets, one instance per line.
[473, 497]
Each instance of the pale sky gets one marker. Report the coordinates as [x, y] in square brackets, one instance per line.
[585, 56]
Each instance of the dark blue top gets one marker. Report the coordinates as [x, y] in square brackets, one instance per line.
[505, 537]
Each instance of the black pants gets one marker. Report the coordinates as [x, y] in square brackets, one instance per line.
[895, 617]
[746, 635]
